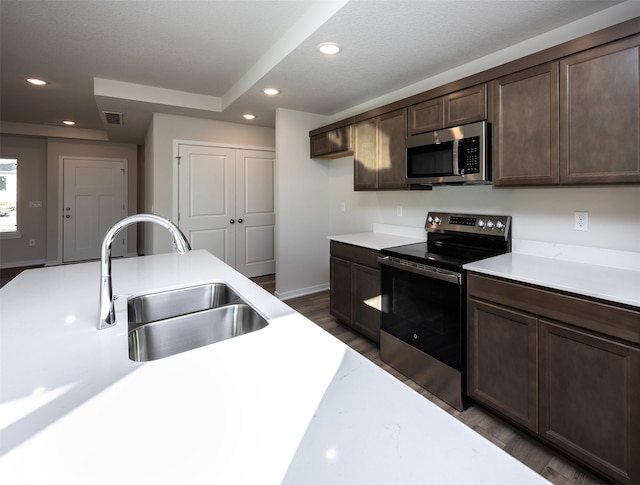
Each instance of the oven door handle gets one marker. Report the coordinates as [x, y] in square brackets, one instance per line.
[423, 270]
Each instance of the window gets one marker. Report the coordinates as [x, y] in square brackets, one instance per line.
[8, 195]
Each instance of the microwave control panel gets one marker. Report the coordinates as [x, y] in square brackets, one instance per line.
[469, 150]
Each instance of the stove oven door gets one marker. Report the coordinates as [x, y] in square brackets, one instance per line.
[425, 308]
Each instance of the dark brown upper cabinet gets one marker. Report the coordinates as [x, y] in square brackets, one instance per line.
[574, 121]
[600, 115]
[379, 152]
[332, 144]
[525, 127]
[465, 106]
[459, 108]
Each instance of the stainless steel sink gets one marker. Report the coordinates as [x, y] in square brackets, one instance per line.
[161, 305]
[174, 335]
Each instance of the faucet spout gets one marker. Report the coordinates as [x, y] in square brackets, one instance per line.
[106, 317]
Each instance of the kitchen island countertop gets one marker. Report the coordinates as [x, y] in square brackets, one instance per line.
[286, 404]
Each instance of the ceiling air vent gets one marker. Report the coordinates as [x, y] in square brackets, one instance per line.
[112, 118]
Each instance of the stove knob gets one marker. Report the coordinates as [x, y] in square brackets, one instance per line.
[481, 224]
[490, 224]
[438, 220]
[430, 219]
[500, 225]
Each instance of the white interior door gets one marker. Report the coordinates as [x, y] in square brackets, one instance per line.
[206, 199]
[226, 205]
[255, 178]
[93, 200]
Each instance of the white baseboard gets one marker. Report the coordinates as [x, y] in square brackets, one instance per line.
[287, 295]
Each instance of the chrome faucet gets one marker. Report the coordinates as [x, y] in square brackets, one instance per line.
[107, 315]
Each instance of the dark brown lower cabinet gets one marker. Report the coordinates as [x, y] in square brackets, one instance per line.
[502, 358]
[590, 399]
[355, 288]
[555, 365]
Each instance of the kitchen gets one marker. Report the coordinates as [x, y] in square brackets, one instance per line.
[541, 214]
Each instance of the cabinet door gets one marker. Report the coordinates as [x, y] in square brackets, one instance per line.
[340, 289]
[331, 144]
[392, 131]
[525, 130]
[502, 361]
[427, 116]
[341, 139]
[466, 106]
[590, 399]
[600, 115]
[320, 144]
[365, 286]
[365, 156]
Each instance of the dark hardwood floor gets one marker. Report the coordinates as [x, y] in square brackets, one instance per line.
[546, 462]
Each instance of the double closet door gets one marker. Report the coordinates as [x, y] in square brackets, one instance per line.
[226, 205]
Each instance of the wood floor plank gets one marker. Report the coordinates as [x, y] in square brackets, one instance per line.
[554, 467]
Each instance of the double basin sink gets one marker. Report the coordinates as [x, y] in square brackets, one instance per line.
[169, 322]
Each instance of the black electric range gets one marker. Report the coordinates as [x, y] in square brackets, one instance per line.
[424, 318]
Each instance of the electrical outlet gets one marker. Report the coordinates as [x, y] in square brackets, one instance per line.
[581, 221]
[32, 242]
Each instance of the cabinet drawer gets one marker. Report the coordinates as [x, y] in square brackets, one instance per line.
[355, 254]
[607, 319]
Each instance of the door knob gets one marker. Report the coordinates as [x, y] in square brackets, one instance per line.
[232, 221]
[240, 221]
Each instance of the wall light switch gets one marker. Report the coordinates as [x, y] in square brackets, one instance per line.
[399, 210]
[35, 203]
[343, 207]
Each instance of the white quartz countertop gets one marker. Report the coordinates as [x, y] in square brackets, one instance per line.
[286, 404]
[606, 283]
[383, 236]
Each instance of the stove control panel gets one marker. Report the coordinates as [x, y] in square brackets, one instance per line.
[487, 224]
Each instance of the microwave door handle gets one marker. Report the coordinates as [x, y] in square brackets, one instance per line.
[456, 157]
[459, 153]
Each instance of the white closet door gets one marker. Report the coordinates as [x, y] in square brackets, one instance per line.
[206, 199]
[255, 178]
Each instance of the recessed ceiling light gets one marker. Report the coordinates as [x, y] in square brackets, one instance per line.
[249, 117]
[329, 48]
[37, 82]
[271, 91]
[69, 122]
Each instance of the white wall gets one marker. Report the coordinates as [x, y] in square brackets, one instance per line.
[310, 193]
[539, 214]
[160, 162]
[302, 208]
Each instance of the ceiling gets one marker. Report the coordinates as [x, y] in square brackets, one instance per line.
[212, 58]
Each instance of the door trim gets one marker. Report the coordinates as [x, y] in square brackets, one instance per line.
[60, 208]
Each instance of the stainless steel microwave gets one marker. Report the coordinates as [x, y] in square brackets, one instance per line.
[459, 155]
